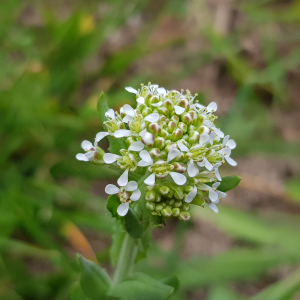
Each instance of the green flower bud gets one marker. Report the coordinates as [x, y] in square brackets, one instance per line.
[177, 134]
[179, 167]
[130, 140]
[150, 195]
[150, 205]
[171, 126]
[187, 119]
[171, 146]
[184, 216]
[184, 103]
[168, 104]
[177, 196]
[166, 212]
[164, 204]
[175, 212]
[164, 133]
[188, 188]
[185, 207]
[154, 128]
[178, 203]
[204, 129]
[159, 142]
[194, 137]
[157, 197]
[148, 139]
[183, 127]
[164, 190]
[170, 194]
[163, 110]
[171, 202]
[175, 118]
[146, 111]
[154, 100]
[158, 207]
[155, 153]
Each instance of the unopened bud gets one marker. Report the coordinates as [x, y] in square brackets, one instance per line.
[159, 142]
[163, 110]
[150, 196]
[178, 203]
[158, 207]
[179, 167]
[171, 202]
[155, 153]
[187, 119]
[175, 212]
[146, 111]
[204, 129]
[194, 137]
[164, 190]
[175, 118]
[166, 212]
[183, 127]
[185, 207]
[168, 104]
[183, 103]
[188, 188]
[157, 197]
[164, 133]
[171, 126]
[154, 100]
[150, 205]
[148, 139]
[154, 128]
[171, 146]
[184, 216]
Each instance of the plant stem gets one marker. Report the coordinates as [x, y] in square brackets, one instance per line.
[126, 259]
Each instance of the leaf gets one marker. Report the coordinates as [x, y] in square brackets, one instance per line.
[198, 200]
[115, 145]
[282, 290]
[141, 287]
[228, 183]
[172, 281]
[223, 293]
[94, 280]
[77, 293]
[133, 225]
[143, 245]
[112, 204]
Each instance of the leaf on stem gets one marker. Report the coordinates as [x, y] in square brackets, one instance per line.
[133, 225]
[112, 205]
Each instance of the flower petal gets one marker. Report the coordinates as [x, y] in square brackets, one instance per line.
[123, 179]
[128, 110]
[131, 90]
[231, 144]
[213, 207]
[135, 195]
[140, 100]
[136, 146]
[123, 209]
[143, 163]
[178, 178]
[212, 107]
[110, 114]
[86, 145]
[191, 195]
[221, 194]
[152, 117]
[218, 132]
[231, 161]
[208, 165]
[212, 136]
[111, 189]
[150, 180]
[81, 157]
[182, 147]
[225, 140]
[89, 155]
[179, 110]
[143, 132]
[192, 169]
[215, 185]
[213, 196]
[110, 158]
[218, 176]
[204, 138]
[208, 123]
[157, 104]
[172, 154]
[131, 186]
[161, 90]
[101, 135]
[122, 133]
[127, 119]
[225, 152]
[145, 156]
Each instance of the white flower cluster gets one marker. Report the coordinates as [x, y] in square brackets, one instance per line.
[175, 139]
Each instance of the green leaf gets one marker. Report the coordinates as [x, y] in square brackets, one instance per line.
[112, 204]
[143, 245]
[228, 183]
[77, 293]
[282, 290]
[115, 145]
[94, 280]
[198, 200]
[141, 287]
[133, 225]
[223, 293]
[172, 281]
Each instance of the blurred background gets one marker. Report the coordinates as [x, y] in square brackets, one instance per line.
[55, 59]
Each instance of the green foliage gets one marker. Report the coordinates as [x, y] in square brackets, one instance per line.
[141, 287]
[94, 280]
[112, 204]
[228, 183]
[133, 225]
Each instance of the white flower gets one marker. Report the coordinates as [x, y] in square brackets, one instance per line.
[90, 148]
[136, 146]
[125, 197]
[131, 90]
[213, 207]
[191, 195]
[212, 107]
[225, 152]
[216, 168]
[110, 114]
[214, 194]
[146, 160]
[228, 142]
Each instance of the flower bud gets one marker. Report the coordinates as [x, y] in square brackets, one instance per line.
[171, 146]
[164, 204]
[154, 128]
[179, 167]
[159, 142]
[166, 212]
[188, 188]
[177, 134]
[171, 202]
[154, 100]
[178, 204]
[168, 104]
[155, 153]
[130, 140]
[175, 118]
[171, 126]
[157, 197]
[183, 127]
[185, 207]
[163, 110]
[148, 139]
[204, 129]
[184, 216]
[175, 212]
[164, 133]
[194, 137]
[150, 205]
[159, 207]
[150, 196]
[146, 111]
[184, 103]
[170, 194]
[187, 119]
[164, 190]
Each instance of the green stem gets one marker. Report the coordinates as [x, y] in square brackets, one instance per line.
[126, 259]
